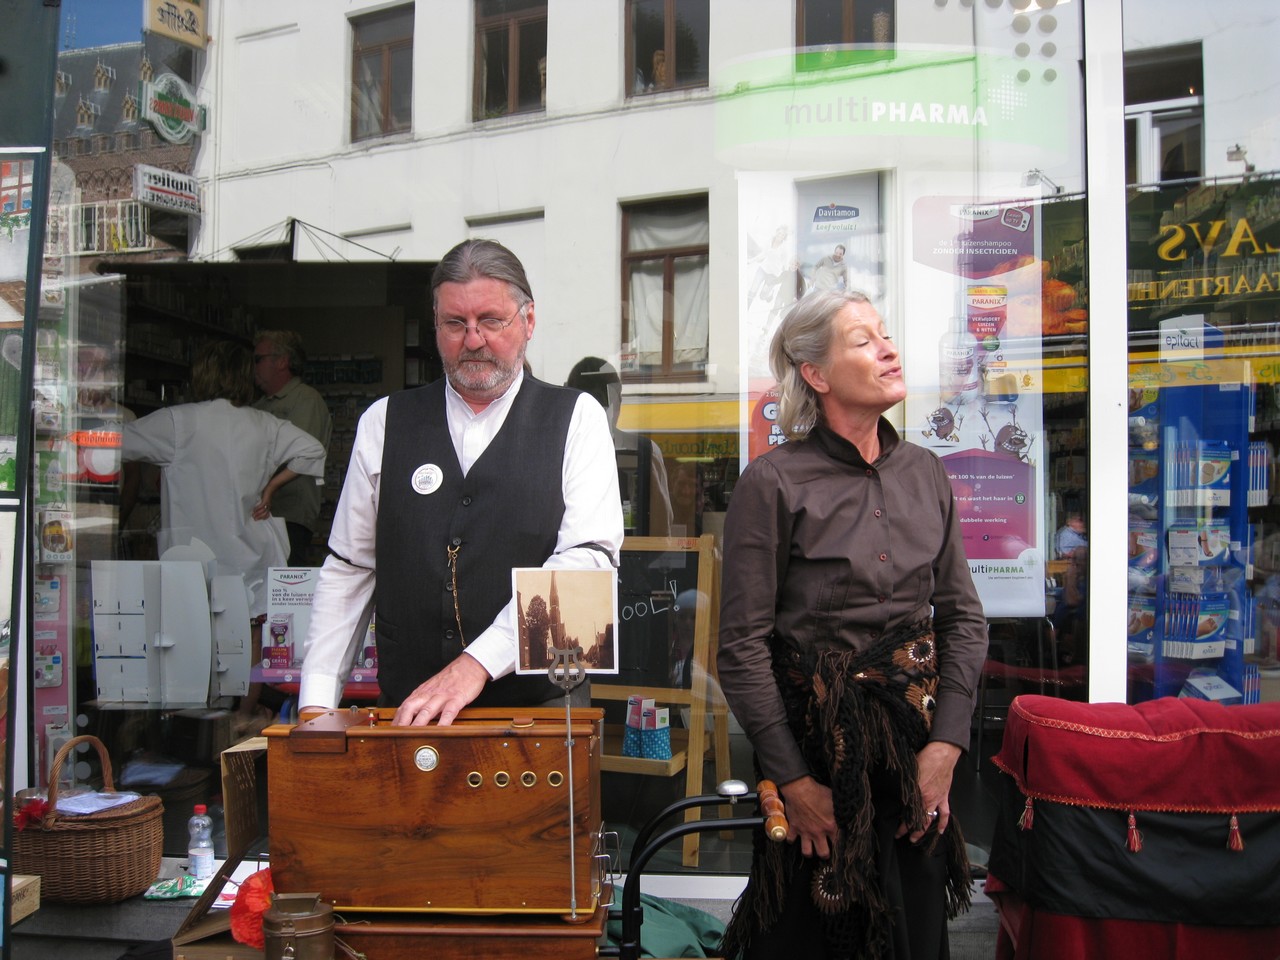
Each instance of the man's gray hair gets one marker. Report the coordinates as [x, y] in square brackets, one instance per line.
[805, 336]
[483, 260]
[287, 343]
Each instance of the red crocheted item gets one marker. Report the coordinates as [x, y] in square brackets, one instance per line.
[253, 899]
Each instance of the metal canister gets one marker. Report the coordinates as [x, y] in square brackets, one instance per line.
[297, 926]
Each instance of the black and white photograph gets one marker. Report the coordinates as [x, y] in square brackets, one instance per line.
[564, 610]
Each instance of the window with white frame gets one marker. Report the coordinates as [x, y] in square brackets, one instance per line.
[667, 44]
[665, 300]
[511, 57]
[382, 73]
[1164, 114]
[88, 222]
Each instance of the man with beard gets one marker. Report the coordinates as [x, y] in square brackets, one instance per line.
[483, 471]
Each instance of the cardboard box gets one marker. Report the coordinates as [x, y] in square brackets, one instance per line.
[1210, 687]
[638, 708]
[24, 896]
[206, 934]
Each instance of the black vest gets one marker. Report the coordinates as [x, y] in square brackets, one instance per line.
[505, 513]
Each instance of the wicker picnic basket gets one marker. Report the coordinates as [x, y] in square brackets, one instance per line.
[100, 857]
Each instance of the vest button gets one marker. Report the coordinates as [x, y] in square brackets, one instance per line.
[466, 501]
[448, 634]
[456, 541]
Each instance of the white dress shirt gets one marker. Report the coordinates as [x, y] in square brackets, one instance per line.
[217, 458]
[344, 590]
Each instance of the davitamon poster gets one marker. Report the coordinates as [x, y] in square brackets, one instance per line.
[975, 283]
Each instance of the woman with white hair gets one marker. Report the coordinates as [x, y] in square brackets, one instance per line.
[851, 639]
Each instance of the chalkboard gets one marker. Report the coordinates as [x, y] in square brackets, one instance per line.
[660, 631]
[665, 653]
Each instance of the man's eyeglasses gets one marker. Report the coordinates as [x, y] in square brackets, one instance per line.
[259, 357]
[487, 327]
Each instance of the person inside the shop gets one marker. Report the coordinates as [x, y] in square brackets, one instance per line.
[1071, 616]
[450, 487]
[642, 472]
[222, 463]
[851, 640]
[278, 362]
[1071, 535]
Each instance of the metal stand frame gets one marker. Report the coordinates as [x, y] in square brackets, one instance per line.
[631, 913]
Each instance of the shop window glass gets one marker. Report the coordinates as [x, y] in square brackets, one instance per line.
[665, 297]
[382, 74]
[1203, 302]
[667, 44]
[511, 57]
[937, 158]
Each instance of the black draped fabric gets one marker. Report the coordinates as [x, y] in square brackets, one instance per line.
[859, 718]
[1075, 860]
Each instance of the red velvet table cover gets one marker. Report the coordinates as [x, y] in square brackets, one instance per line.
[1030, 934]
[1063, 882]
[1172, 754]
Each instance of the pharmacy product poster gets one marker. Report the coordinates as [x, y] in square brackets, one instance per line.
[799, 235]
[975, 287]
[290, 591]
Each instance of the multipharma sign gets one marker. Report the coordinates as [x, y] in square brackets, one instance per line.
[903, 93]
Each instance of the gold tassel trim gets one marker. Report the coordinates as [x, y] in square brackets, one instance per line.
[1234, 840]
[1135, 836]
[1028, 817]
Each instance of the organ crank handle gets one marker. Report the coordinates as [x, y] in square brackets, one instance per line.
[775, 824]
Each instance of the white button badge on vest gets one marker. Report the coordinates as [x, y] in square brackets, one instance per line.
[427, 479]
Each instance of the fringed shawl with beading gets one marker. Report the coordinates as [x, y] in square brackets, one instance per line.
[852, 713]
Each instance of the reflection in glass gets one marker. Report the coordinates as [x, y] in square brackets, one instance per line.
[665, 59]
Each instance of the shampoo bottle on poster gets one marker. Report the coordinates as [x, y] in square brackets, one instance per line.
[959, 379]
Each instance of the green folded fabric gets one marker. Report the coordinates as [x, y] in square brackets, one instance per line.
[670, 928]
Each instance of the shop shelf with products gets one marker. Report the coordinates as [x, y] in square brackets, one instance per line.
[165, 324]
[1193, 476]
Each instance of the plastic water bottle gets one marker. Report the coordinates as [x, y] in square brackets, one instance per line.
[200, 849]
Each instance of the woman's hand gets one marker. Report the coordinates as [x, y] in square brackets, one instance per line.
[262, 509]
[935, 764]
[811, 816]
